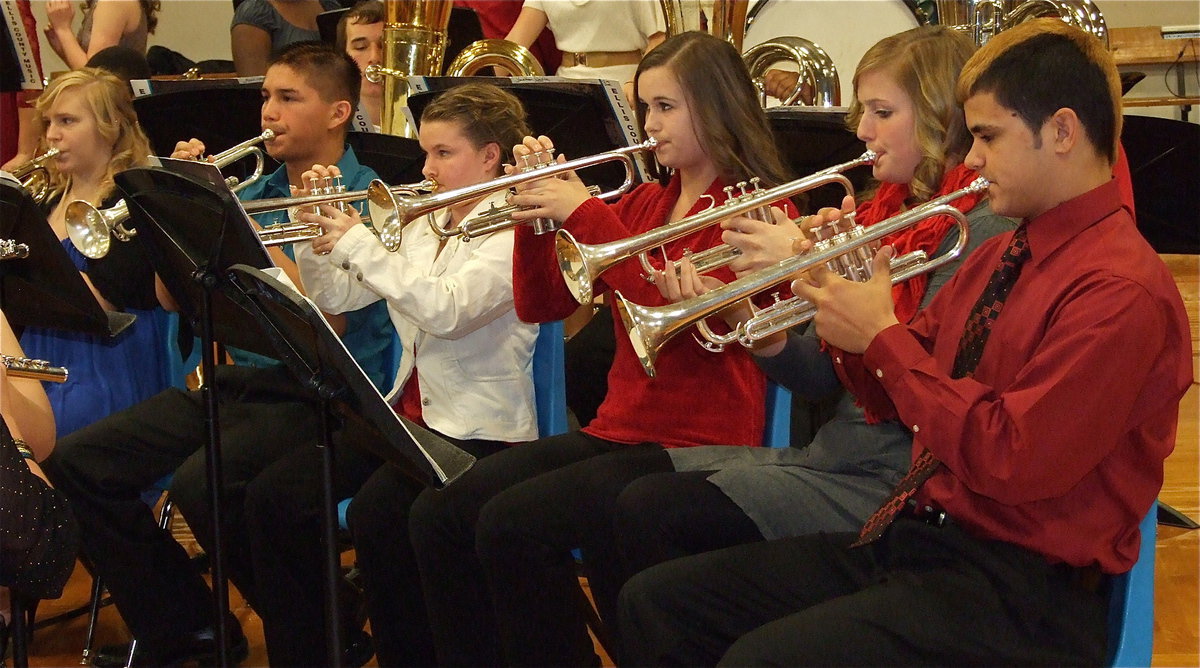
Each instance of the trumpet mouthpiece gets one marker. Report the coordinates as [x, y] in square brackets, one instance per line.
[268, 134]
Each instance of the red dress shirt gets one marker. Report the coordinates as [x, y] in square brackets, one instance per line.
[1057, 442]
[696, 397]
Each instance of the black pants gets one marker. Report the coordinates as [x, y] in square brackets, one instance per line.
[524, 539]
[920, 595]
[104, 468]
[378, 519]
[442, 525]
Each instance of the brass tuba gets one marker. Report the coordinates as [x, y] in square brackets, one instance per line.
[513, 58]
[34, 176]
[414, 43]
[817, 71]
[982, 19]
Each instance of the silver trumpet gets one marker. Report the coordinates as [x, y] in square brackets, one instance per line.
[383, 203]
[542, 167]
[582, 264]
[11, 250]
[34, 176]
[847, 253]
[24, 367]
[91, 229]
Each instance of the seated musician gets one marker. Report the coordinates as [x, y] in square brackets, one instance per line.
[265, 415]
[699, 104]
[360, 35]
[88, 115]
[904, 110]
[39, 537]
[465, 373]
[995, 546]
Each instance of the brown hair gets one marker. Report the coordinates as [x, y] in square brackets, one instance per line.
[1044, 65]
[486, 113]
[331, 72]
[110, 102]
[727, 118]
[364, 13]
[925, 62]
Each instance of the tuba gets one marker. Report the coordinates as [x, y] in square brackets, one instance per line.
[91, 229]
[817, 71]
[982, 19]
[513, 58]
[414, 43]
[35, 177]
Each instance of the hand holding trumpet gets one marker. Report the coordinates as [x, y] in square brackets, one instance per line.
[850, 314]
[553, 198]
[192, 149]
[334, 221]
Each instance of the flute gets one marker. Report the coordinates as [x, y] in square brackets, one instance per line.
[24, 367]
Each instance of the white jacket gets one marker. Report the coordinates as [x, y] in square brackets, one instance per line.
[454, 315]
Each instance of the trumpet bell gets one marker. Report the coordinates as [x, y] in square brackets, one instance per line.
[91, 230]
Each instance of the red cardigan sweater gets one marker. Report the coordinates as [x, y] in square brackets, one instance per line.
[696, 397]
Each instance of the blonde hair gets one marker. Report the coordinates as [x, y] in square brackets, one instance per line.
[925, 63]
[111, 104]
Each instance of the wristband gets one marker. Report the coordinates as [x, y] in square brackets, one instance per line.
[23, 448]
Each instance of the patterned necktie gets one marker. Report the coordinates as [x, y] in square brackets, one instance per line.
[970, 349]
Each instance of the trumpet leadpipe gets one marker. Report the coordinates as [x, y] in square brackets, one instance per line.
[24, 367]
[649, 328]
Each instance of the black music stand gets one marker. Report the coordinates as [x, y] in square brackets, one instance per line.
[305, 342]
[582, 117]
[814, 138]
[395, 159]
[196, 230]
[218, 112]
[44, 289]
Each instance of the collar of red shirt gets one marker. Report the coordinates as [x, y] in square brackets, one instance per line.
[1052, 229]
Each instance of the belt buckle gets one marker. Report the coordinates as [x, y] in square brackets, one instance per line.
[580, 58]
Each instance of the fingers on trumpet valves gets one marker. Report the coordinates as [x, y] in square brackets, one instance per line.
[191, 149]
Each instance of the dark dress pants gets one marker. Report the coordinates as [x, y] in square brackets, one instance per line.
[378, 519]
[442, 528]
[104, 468]
[921, 595]
[524, 539]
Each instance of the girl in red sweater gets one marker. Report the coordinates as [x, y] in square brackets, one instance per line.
[696, 99]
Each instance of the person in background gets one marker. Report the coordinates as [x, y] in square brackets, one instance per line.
[20, 85]
[261, 28]
[105, 23]
[360, 35]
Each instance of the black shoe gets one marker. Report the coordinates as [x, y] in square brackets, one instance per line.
[198, 646]
[357, 652]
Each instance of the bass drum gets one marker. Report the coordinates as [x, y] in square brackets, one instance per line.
[845, 30]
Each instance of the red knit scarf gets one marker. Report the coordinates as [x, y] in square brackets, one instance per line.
[927, 235]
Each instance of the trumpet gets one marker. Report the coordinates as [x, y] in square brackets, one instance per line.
[409, 209]
[582, 264]
[91, 229]
[34, 176]
[24, 367]
[383, 202]
[11, 250]
[847, 253]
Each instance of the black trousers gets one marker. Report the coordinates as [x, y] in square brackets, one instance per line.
[104, 468]
[524, 539]
[442, 527]
[378, 519]
[920, 595]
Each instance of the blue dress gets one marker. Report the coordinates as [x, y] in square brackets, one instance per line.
[106, 375]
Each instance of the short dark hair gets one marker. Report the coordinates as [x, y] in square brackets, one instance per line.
[486, 113]
[1044, 65]
[331, 72]
[364, 13]
[125, 63]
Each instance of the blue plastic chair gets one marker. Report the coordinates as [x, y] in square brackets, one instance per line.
[549, 390]
[778, 432]
[1131, 604]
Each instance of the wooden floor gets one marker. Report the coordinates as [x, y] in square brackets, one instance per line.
[1177, 579]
